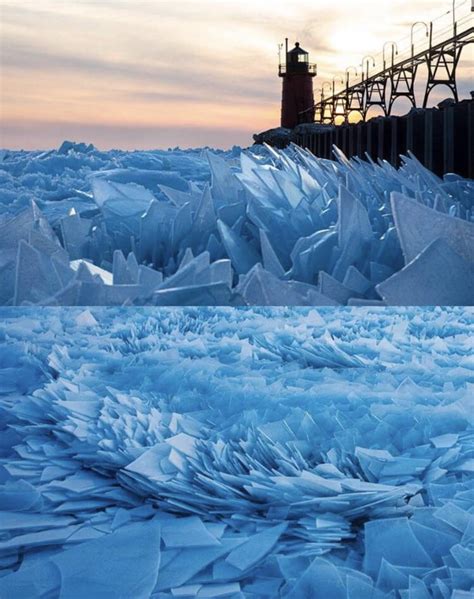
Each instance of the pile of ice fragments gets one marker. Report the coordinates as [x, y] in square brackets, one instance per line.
[244, 453]
[257, 227]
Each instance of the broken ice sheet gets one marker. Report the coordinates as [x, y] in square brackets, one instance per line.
[252, 453]
[98, 568]
[438, 275]
[187, 532]
[418, 226]
[285, 227]
[253, 550]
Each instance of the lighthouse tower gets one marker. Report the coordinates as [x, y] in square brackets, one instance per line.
[298, 99]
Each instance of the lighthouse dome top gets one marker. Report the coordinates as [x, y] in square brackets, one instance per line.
[297, 49]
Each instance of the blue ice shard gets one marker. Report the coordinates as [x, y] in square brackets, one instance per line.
[261, 288]
[255, 548]
[242, 254]
[36, 278]
[418, 226]
[99, 568]
[438, 275]
[354, 231]
[75, 235]
[333, 289]
[322, 579]
[394, 541]
[270, 259]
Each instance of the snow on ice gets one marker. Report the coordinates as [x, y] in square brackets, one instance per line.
[245, 453]
[255, 227]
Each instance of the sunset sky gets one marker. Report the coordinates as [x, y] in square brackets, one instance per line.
[162, 73]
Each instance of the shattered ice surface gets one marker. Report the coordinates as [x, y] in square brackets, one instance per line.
[244, 453]
[241, 228]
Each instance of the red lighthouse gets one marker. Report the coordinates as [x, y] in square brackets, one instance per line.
[298, 99]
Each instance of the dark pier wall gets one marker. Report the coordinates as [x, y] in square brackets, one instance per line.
[441, 138]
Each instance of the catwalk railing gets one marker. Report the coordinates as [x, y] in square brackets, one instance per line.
[440, 51]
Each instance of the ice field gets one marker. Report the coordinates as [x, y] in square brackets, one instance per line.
[259, 227]
[244, 453]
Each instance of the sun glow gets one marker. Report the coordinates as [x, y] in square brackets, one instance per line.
[348, 43]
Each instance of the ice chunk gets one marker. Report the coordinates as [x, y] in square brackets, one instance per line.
[39, 579]
[332, 288]
[270, 259]
[353, 220]
[194, 272]
[148, 278]
[122, 275]
[18, 495]
[86, 319]
[252, 550]
[36, 278]
[213, 294]
[75, 234]
[261, 288]
[177, 197]
[11, 521]
[438, 275]
[419, 226]
[184, 564]
[445, 441]
[454, 516]
[359, 586]
[146, 178]
[313, 254]
[100, 568]
[354, 231]
[394, 541]
[123, 199]
[225, 187]
[322, 579]
[417, 589]
[16, 228]
[150, 463]
[187, 532]
[105, 277]
[356, 281]
[243, 256]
